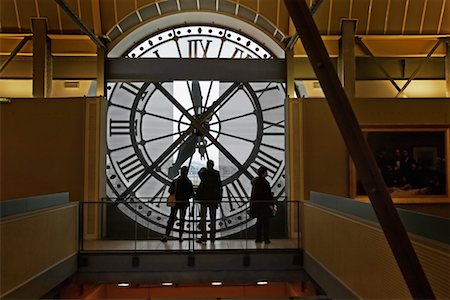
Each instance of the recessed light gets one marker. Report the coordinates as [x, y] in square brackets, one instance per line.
[71, 84]
[167, 283]
[216, 283]
[262, 282]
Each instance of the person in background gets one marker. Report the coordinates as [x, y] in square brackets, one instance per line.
[262, 205]
[209, 195]
[183, 189]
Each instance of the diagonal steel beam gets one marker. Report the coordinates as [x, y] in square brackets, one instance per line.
[15, 51]
[366, 50]
[360, 152]
[80, 24]
[419, 67]
[314, 7]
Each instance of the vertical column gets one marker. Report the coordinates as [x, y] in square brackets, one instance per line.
[95, 153]
[42, 63]
[101, 85]
[346, 60]
[294, 147]
[447, 66]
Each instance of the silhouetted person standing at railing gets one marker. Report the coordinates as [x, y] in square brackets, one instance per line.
[209, 195]
[183, 189]
[262, 205]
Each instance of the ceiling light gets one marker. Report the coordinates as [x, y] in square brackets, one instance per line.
[216, 283]
[123, 284]
[167, 283]
[262, 282]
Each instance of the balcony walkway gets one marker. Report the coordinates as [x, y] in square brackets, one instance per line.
[185, 245]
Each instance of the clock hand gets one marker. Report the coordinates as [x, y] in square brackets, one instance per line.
[197, 97]
[185, 151]
[156, 163]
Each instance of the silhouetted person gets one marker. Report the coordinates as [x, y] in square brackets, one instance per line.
[262, 205]
[209, 195]
[183, 189]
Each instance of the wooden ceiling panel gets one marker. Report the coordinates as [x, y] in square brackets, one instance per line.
[445, 24]
[378, 17]
[432, 16]
[107, 14]
[86, 13]
[8, 16]
[321, 17]
[339, 11]
[284, 19]
[414, 17]
[396, 13]
[68, 25]
[48, 9]
[252, 4]
[124, 8]
[27, 10]
[141, 3]
[360, 11]
[269, 10]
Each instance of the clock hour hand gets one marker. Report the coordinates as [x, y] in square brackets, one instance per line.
[185, 151]
[196, 97]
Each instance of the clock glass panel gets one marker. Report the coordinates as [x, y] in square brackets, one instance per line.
[154, 128]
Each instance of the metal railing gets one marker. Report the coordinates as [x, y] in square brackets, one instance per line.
[138, 224]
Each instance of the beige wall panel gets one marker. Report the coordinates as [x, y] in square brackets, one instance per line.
[407, 111]
[325, 154]
[358, 254]
[42, 147]
[35, 242]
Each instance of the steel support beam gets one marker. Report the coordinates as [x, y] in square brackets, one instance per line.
[360, 152]
[314, 7]
[157, 69]
[419, 67]
[42, 66]
[447, 66]
[80, 24]
[366, 50]
[15, 51]
[346, 60]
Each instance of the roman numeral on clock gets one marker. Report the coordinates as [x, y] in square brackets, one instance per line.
[198, 48]
[131, 166]
[133, 89]
[236, 193]
[120, 127]
[269, 161]
[238, 53]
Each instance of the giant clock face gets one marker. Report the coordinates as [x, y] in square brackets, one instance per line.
[154, 128]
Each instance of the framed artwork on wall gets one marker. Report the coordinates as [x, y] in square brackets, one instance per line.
[413, 161]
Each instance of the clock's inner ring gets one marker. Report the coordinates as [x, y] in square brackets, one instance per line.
[211, 124]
